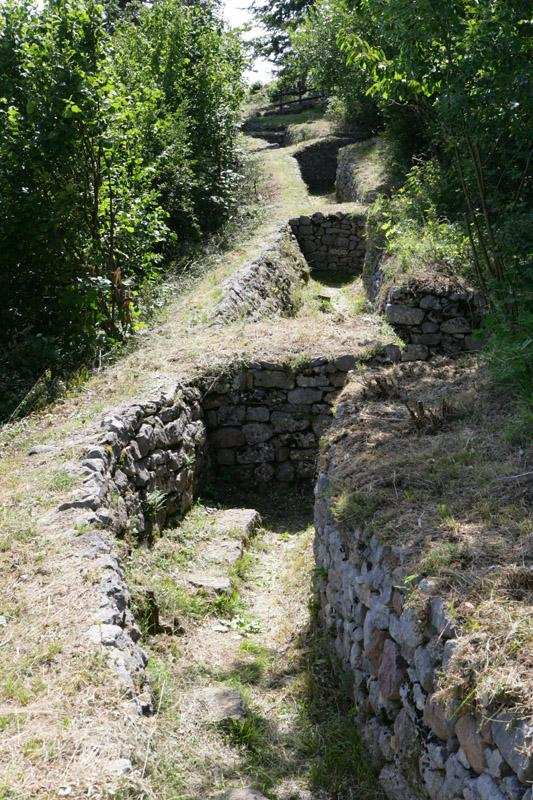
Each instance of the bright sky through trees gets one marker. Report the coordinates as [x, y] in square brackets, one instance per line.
[237, 13]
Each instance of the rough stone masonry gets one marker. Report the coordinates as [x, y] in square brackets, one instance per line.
[333, 244]
[423, 746]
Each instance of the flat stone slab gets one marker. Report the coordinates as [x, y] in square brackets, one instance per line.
[215, 584]
[223, 551]
[220, 704]
[239, 521]
[243, 794]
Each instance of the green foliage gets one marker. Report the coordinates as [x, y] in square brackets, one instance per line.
[509, 353]
[316, 44]
[355, 508]
[412, 231]
[278, 18]
[449, 81]
[118, 150]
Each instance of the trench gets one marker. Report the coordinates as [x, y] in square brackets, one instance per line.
[318, 163]
[246, 695]
[211, 492]
[243, 692]
[239, 687]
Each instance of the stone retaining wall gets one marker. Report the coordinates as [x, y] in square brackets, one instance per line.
[318, 163]
[264, 422]
[361, 175]
[422, 746]
[434, 317]
[332, 243]
[267, 284]
[144, 466]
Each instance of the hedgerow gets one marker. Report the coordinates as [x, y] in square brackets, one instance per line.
[118, 153]
[448, 85]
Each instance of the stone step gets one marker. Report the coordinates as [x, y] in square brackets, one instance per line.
[239, 522]
[232, 528]
[219, 704]
[223, 551]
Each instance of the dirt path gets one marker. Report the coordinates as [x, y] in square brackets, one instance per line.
[247, 696]
[61, 702]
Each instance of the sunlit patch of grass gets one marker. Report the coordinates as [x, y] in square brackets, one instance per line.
[441, 556]
[355, 508]
[16, 528]
[61, 481]
[23, 678]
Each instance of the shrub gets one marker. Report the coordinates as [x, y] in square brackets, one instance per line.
[118, 150]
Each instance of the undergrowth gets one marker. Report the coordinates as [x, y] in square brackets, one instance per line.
[24, 390]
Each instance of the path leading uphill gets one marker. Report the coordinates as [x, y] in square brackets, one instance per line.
[66, 729]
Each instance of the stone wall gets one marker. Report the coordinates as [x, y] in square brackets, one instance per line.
[332, 243]
[423, 746]
[144, 466]
[434, 316]
[267, 284]
[264, 422]
[147, 464]
[361, 174]
[318, 163]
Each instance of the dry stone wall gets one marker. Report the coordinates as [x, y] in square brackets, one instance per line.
[144, 467]
[148, 462]
[422, 746]
[333, 244]
[264, 422]
[267, 284]
[433, 317]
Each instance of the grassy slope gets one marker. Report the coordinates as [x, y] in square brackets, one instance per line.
[450, 486]
[58, 703]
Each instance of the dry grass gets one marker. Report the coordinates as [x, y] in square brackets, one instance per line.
[420, 457]
[63, 720]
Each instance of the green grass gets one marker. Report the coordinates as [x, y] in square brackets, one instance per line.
[277, 121]
[355, 508]
[61, 481]
[440, 557]
[15, 529]
[338, 764]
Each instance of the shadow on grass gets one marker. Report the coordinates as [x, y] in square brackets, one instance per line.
[312, 746]
[320, 750]
[335, 279]
[283, 509]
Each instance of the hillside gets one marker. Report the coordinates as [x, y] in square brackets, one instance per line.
[166, 629]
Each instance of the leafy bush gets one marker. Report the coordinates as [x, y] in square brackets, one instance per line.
[449, 82]
[412, 231]
[117, 152]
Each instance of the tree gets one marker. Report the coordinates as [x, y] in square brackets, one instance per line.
[279, 18]
[118, 152]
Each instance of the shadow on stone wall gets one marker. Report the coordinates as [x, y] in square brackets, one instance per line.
[318, 163]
